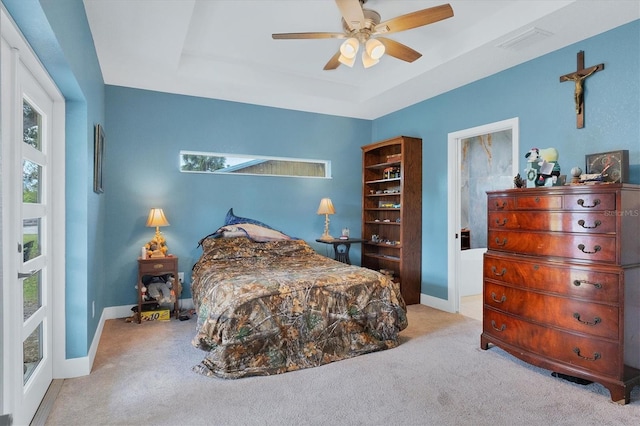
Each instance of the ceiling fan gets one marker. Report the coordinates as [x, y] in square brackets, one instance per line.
[363, 27]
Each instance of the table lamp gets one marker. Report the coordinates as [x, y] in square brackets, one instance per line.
[326, 208]
[157, 247]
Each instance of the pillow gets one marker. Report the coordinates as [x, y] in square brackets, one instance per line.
[254, 232]
[236, 226]
[243, 247]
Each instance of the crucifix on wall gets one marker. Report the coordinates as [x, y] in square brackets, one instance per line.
[578, 77]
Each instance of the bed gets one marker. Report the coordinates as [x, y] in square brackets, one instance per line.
[268, 304]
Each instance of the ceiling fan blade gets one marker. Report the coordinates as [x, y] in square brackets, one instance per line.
[351, 11]
[414, 19]
[333, 62]
[399, 50]
[293, 36]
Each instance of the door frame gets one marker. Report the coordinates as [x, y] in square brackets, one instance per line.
[454, 149]
[16, 41]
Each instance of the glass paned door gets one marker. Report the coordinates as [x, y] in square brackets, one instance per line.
[33, 220]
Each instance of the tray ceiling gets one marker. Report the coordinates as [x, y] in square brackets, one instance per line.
[224, 50]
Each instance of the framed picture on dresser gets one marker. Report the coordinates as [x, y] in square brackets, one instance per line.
[613, 165]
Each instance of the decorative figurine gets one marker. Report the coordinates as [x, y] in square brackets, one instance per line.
[543, 168]
[576, 172]
[518, 182]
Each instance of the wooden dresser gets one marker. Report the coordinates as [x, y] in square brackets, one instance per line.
[562, 281]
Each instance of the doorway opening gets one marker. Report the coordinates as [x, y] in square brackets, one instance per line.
[480, 159]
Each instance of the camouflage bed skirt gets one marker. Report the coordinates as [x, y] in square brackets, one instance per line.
[272, 307]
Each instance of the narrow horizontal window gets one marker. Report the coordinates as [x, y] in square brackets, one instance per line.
[237, 164]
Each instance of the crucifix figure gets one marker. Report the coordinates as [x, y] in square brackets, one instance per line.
[578, 77]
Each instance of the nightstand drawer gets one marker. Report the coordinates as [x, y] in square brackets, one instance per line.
[158, 266]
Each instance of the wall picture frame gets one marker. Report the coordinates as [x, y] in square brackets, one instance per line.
[614, 165]
[98, 158]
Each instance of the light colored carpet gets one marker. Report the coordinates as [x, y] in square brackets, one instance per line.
[437, 376]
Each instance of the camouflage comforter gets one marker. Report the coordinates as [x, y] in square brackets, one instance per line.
[268, 308]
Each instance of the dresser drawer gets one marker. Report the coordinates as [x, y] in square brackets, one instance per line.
[583, 351]
[600, 248]
[574, 202]
[538, 202]
[590, 202]
[500, 203]
[581, 316]
[569, 280]
[566, 202]
[590, 223]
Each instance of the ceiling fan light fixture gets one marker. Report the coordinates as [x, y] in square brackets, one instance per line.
[375, 49]
[349, 48]
[347, 61]
[367, 60]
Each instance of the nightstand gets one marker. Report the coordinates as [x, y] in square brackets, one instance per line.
[156, 267]
[341, 247]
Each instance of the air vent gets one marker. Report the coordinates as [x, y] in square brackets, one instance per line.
[525, 39]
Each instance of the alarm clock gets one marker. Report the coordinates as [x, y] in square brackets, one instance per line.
[613, 165]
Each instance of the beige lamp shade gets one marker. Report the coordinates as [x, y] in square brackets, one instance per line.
[326, 208]
[157, 218]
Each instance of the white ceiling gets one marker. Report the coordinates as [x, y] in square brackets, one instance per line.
[224, 50]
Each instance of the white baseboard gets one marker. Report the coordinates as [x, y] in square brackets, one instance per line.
[77, 367]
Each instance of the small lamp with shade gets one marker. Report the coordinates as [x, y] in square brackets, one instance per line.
[326, 208]
[157, 247]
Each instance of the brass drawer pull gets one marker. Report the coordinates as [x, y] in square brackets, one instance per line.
[595, 224]
[595, 203]
[596, 320]
[502, 299]
[503, 243]
[504, 222]
[537, 200]
[158, 266]
[495, 271]
[596, 355]
[502, 328]
[500, 206]
[596, 249]
[578, 283]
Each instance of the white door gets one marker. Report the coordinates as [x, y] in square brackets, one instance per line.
[27, 111]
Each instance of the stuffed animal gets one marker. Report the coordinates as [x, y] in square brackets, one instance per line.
[160, 288]
[543, 168]
[157, 247]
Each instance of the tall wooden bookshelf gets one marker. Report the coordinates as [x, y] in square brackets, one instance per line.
[392, 211]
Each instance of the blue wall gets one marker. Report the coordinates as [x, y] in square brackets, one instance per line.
[145, 131]
[531, 91]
